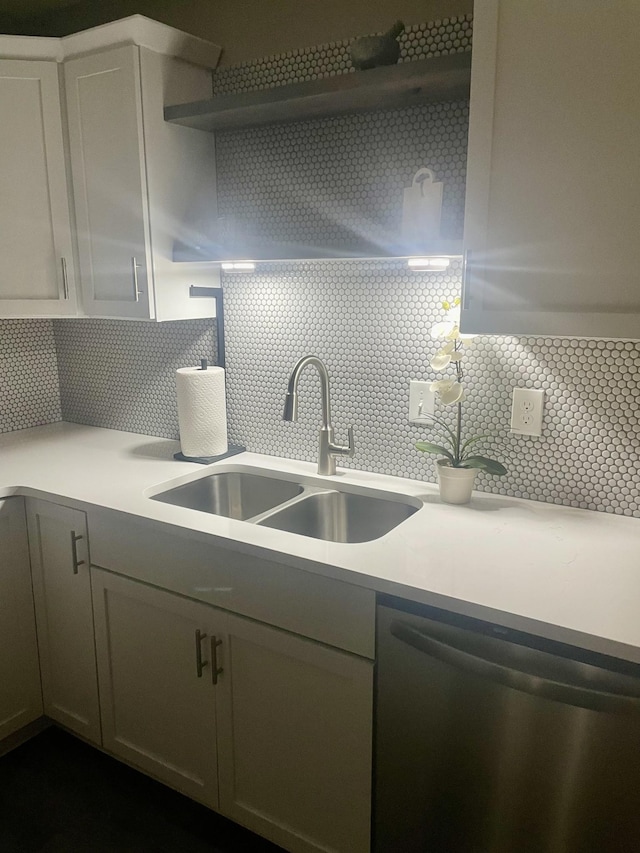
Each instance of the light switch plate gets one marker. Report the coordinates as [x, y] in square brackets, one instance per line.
[526, 411]
[421, 402]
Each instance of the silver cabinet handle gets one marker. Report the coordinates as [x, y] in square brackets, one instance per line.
[465, 279]
[215, 669]
[75, 538]
[134, 272]
[200, 664]
[65, 278]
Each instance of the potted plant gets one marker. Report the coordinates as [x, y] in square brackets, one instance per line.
[459, 460]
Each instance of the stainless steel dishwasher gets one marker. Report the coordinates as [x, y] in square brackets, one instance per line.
[489, 740]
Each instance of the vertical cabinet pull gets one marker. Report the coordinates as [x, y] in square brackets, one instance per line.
[75, 538]
[215, 669]
[65, 278]
[200, 664]
[134, 272]
[466, 262]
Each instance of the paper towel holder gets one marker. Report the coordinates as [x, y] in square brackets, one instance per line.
[216, 293]
[232, 450]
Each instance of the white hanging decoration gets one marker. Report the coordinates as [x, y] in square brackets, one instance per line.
[421, 210]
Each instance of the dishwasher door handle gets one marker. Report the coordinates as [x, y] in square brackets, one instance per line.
[580, 695]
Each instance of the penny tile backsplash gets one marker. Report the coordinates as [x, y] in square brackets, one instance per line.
[369, 321]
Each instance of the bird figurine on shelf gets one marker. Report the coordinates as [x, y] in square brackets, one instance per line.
[372, 51]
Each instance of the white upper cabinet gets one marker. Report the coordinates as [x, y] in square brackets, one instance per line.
[107, 152]
[138, 184]
[36, 255]
[553, 185]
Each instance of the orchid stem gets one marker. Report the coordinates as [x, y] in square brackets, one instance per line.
[459, 376]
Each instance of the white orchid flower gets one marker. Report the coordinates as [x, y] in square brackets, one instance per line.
[448, 441]
[444, 357]
[442, 330]
[448, 390]
[454, 394]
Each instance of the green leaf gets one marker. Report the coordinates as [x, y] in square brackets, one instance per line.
[439, 424]
[437, 449]
[475, 439]
[490, 466]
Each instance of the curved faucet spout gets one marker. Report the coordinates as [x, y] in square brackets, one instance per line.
[327, 450]
[291, 400]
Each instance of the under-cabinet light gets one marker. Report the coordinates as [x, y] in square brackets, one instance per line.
[238, 266]
[432, 264]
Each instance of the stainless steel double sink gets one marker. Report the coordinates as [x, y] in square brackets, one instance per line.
[295, 505]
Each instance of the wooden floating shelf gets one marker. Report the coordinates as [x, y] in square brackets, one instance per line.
[439, 79]
[297, 253]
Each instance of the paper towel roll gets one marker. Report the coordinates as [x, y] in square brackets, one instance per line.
[202, 411]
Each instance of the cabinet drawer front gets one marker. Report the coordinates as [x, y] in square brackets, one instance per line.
[332, 612]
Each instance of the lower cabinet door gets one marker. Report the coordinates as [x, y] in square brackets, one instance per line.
[62, 594]
[156, 676]
[20, 695]
[294, 735]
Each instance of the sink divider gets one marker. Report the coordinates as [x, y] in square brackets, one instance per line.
[306, 492]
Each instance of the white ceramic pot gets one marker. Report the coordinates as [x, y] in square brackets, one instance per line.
[456, 484]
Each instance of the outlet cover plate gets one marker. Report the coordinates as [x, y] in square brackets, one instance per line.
[421, 402]
[526, 411]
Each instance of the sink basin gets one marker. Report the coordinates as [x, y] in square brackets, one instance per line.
[234, 494]
[340, 516]
[304, 505]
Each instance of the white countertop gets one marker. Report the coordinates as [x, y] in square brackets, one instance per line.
[565, 574]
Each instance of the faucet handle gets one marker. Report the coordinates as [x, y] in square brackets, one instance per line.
[351, 447]
[341, 449]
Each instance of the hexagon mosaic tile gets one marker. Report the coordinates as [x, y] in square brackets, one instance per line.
[340, 180]
[437, 38]
[121, 374]
[29, 393]
[368, 321]
[371, 327]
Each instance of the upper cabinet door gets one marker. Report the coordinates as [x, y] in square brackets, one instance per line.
[36, 255]
[553, 185]
[104, 103]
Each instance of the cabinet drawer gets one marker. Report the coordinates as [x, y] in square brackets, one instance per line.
[332, 612]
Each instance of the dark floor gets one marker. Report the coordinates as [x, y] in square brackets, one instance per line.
[58, 795]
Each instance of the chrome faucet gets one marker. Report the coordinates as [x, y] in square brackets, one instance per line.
[327, 450]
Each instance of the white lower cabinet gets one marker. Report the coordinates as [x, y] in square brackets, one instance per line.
[156, 687]
[20, 695]
[294, 734]
[64, 616]
[271, 729]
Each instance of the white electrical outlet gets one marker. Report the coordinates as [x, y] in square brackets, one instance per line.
[421, 402]
[526, 411]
